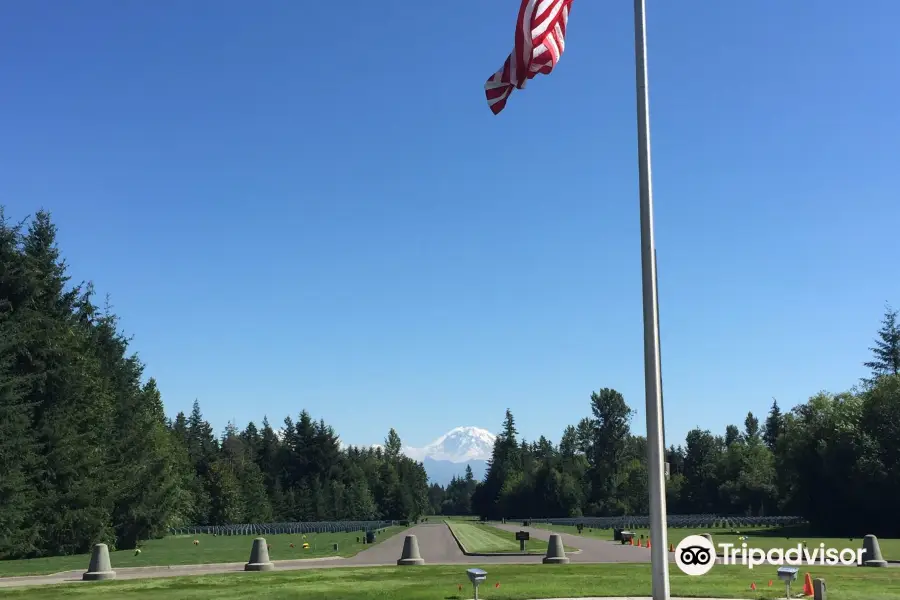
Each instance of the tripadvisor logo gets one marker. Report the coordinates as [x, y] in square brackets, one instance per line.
[696, 555]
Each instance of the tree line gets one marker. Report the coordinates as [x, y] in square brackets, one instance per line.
[833, 460]
[87, 454]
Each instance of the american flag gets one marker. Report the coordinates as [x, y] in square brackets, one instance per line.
[540, 41]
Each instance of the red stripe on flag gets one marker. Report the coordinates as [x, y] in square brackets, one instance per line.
[539, 44]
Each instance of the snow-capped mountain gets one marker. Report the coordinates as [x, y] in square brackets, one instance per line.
[448, 456]
[459, 445]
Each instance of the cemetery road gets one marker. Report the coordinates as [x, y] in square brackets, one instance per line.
[436, 545]
[593, 550]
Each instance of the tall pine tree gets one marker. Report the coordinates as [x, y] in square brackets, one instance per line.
[886, 351]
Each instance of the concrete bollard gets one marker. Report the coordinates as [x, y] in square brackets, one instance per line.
[556, 553]
[259, 557]
[872, 555]
[99, 568]
[410, 555]
[819, 589]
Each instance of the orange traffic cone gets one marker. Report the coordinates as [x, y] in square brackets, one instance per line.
[631, 542]
[807, 586]
[770, 583]
[753, 586]
[671, 547]
[648, 544]
[496, 585]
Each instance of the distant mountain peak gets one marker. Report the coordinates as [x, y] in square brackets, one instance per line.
[459, 445]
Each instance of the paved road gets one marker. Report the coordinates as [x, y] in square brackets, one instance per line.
[437, 546]
[598, 550]
[593, 550]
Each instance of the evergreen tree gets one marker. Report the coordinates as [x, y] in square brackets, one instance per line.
[179, 429]
[886, 352]
[751, 427]
[19, 460]
[149, 497]
[73, 406]
[568, 444]
[202, 450]
[774, 426]
[252, 441]
[609, 437]
[392, 445]
[202, 445]
[226, 501]
[268, 459]
[502, 466]
[19, 454]
[702, 455]
[732, 435]
[360, 501]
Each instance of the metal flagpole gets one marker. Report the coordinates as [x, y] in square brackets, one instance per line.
[667, 467]
[659, 556]
[662, 395]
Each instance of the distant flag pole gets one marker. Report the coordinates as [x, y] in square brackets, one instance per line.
[539, 43]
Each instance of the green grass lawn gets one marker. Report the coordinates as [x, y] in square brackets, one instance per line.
[484, 539]
[758, 537]
[180, 550]
[462, 519]
[517, 582]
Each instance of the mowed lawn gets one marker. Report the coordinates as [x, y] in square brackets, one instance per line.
[758, 537]
[517, 582]
[484, 539]
[462, 519]
[180, 550]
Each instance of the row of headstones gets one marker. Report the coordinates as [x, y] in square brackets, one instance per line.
[679, 521]
[273, 531]
[677, 518]
[615, 520]
[732, 523]
[278, 528]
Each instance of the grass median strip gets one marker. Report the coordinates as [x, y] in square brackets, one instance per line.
[517, 582]
[484, 539]
[180, 550]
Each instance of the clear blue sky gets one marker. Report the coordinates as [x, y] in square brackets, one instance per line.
[309, 205]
